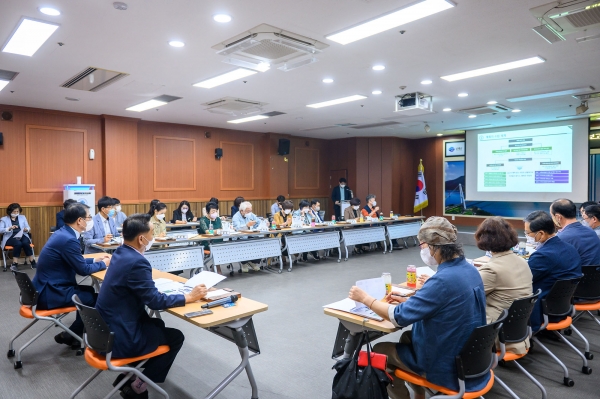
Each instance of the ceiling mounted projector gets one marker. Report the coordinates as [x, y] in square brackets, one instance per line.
[582, 108]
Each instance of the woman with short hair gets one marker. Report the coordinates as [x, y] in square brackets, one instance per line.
[15, 233]
[183, 214]
[283, 218]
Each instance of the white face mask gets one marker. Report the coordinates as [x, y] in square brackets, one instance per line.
[374, 203]
[118, 208]
[160, 216]
[89, 225]
[149, 245]
[342, 185]
[428, 258]
[531, 240]
[287, 211]
[305, 210]
[355, 207]
[317, 208]
[249, 214]
[184, 210]
[14, 215]
[215, 215]
[585, 223]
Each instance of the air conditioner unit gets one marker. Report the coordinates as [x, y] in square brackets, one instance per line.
[93, 79]
[266, 44]
[234, 106]
[485, 110]
[561, 18]
[414, 104]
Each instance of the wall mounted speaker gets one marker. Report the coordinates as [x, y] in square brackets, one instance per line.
[6, 116]
[1, 139]
[284, 147]
[218, 153]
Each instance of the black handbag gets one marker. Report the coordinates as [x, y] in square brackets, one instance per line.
[354, 382]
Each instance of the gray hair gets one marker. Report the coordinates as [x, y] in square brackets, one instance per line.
[369, 197]
[245, 205]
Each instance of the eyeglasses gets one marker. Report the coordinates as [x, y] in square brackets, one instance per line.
[88, 217]
[423, 243]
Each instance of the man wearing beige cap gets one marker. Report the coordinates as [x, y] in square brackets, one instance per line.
[443, 314]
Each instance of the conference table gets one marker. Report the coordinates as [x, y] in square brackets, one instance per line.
[233, 324]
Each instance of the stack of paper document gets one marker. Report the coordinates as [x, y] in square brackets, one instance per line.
[216, 294]
[425, 270]
[349, 306]
[170, 287]
[402, 291]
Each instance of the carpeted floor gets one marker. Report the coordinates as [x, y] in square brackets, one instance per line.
[295, 337]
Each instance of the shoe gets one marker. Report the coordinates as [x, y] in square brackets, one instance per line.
[245, 268]
[120, 378]
[128, 393]
[4, 269]
[33, 264]
[254, 266]
[66, 339]
[14, 267]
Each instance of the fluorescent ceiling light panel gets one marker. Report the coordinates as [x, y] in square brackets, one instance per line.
[494, 69]
[146, 105]
[3, 84]
[407, 14]
[225, 78]
[551, 94]
[335, 102]
[29, 37]
[249, 119]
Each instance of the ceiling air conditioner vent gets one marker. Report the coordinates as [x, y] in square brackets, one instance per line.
[379, 124]
[485, 110]
[561, 18]
[588, 96]
[270, 45]
[93, 79]
[234, 106]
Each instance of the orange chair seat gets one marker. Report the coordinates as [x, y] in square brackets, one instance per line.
[561, 325]
[509, 356]
[421, 381]
[206, 252]
[25, 311]
[587, 306]
[98, 361]
[9, 248]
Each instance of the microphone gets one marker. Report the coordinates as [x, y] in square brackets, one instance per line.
[219, 302]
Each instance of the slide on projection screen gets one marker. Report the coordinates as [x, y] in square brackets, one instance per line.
[529, 163]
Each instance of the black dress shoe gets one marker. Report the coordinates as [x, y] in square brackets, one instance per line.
[33, 264]
[128, 393]
[67, 339]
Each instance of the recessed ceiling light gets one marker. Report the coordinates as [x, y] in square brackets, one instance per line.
[376, 92]
[440, 134]
[447, 109]
[29, 37]
[463, 94]
[426, 82]
[146, 105]
[391, 20]
[3, 84]
[378, 67]
[327, 80]
[337, 101]
[472, 116]
[516, 110]
[249, 119]
[492, 102]
[176, 43]
[49, 11]
[225, 78]
[494, 69]
[223, 18]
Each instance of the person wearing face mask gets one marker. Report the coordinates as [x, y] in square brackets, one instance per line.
[371, 209]
[582, 208]
[157, 218]
[315, 211]
[276, 207]
[59, 262]
[183, 214]
[212, 212]
[15, 233]
[339, 194]
[127, 289]
[554, 259]
[443, 314]
[591, 218]
[104, 226]
[244, 219]
[585, 241]
[119, 216]
[353, 212]
[303, 212]
[283, 218]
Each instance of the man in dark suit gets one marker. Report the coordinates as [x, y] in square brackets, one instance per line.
[553, 260]
[127, 288]
[339, 194]
[60, 216]
[59, 262]
[584, 239]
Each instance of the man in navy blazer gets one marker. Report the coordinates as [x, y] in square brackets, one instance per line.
[104, 226]
[58, 264]
[584, 239]
[126, 290]
[553, 260]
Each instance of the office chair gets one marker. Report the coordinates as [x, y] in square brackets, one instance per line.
[559, 303]
[587, 298]
[7, 249]
[515, 329]
[99, 339]
[28, 299]
[476, 359]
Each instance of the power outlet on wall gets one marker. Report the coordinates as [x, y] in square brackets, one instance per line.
[453, 217]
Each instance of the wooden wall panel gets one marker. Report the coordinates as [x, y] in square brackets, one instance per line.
[387, 204]
[277, 169]
[374, 168]
[62, 153]
[306, 168]
[237, 166]
[362, 169]
[121, 159]
[174, 164]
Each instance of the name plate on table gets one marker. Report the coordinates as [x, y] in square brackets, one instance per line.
[352, 221]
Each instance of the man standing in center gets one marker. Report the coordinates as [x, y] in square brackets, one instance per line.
[339, 194]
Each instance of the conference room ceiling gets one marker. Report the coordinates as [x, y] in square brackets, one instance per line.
[472, 35]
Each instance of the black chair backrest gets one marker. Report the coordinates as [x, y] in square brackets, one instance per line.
[29, 295]
[516, 326]
[52, 229]
[97, 334]
[559, 301]
[478, 356]
[589, 286]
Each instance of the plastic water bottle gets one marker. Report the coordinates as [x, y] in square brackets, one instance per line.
[411, 276]
[333, 219]
[387, 280]
[210, 228]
